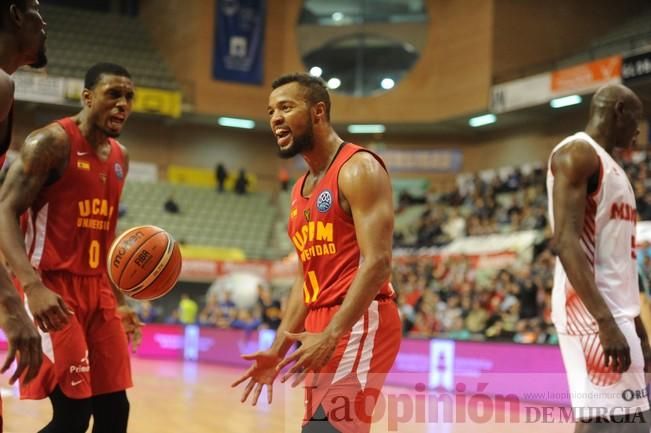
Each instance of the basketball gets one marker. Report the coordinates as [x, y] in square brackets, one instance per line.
[144, 262]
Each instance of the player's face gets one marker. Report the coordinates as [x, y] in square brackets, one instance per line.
[33, 35]
[290, 118]
[111, 102]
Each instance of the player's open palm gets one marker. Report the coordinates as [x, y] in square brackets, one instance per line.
[49, 310]
[262, 372]
[617, 353]
[24, 343]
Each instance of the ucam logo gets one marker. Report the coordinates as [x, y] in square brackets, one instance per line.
[324, 201]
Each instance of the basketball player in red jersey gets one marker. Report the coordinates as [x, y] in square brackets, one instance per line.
[341, 307]
[68, 180]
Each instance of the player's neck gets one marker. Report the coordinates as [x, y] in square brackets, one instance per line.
[324, 151]
[10, 61]
[93, 135]
[599, 133]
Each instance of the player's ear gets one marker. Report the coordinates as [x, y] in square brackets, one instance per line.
[319, 111]
[86, 98]
[15, 15]
[619, 108]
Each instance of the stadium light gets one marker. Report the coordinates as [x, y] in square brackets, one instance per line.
[482, 120]
[387, 83]
[234, 122]
[334, 82]
[366, 129]
[565, 101]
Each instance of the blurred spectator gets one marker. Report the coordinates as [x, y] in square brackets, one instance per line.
[245, 320]
[227, 305]
[220, 176]
[147, 313]
[241, 183]
[171, 206]
[187, 311]
[122, 210]
[269, 308]
[211, 313]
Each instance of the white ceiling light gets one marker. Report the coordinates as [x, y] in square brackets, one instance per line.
[482, 120]
[565, 101]
[387, 83]
[334, 82]
[233, 122]
[366, 129]
[316, 71]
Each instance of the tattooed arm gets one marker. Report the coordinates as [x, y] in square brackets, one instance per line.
[573, 166]
[43, 156]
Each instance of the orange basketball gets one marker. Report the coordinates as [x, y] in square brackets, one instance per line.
[144, 262]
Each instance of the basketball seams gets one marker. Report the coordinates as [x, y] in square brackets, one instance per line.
[156, 274]
[173, 277]
[156, 269]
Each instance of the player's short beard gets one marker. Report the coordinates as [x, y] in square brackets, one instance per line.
[41, 60]
[300, 144]
[112, 134]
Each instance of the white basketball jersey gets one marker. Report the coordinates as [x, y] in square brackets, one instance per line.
[608, 240]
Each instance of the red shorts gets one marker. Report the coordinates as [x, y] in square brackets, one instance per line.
[90, 356]
[348, 386]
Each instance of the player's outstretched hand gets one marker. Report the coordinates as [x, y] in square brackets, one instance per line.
[617, 353]
[49, 310]
[262, 372]
[24, 342]
[315, 352]
[132, 325]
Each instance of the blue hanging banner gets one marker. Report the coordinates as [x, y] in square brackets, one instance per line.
[239, 41]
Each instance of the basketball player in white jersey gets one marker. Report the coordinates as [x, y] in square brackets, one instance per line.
[595, 301]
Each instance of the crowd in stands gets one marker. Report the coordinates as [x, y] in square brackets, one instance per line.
[478, 206]
[217, 311]
[448, 296]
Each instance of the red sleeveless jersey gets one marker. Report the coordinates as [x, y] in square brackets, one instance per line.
[324, 236]
[72, 223]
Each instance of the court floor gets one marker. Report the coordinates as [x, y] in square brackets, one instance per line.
[173, 397]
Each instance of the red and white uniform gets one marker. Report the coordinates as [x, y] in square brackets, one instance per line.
[608, 241]
[4, 147]
[326, 243]
[68, 232]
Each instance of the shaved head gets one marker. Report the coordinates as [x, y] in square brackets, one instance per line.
[609, 95]
[615, 113]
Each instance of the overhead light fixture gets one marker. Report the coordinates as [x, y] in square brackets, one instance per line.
[387, 83]
[366, 129]
[565, 101]
[234, 122]
[482, 120]
[337, 16]
[315, 71]
[334, 83]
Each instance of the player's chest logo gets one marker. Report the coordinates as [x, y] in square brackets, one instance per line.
[324, 201]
